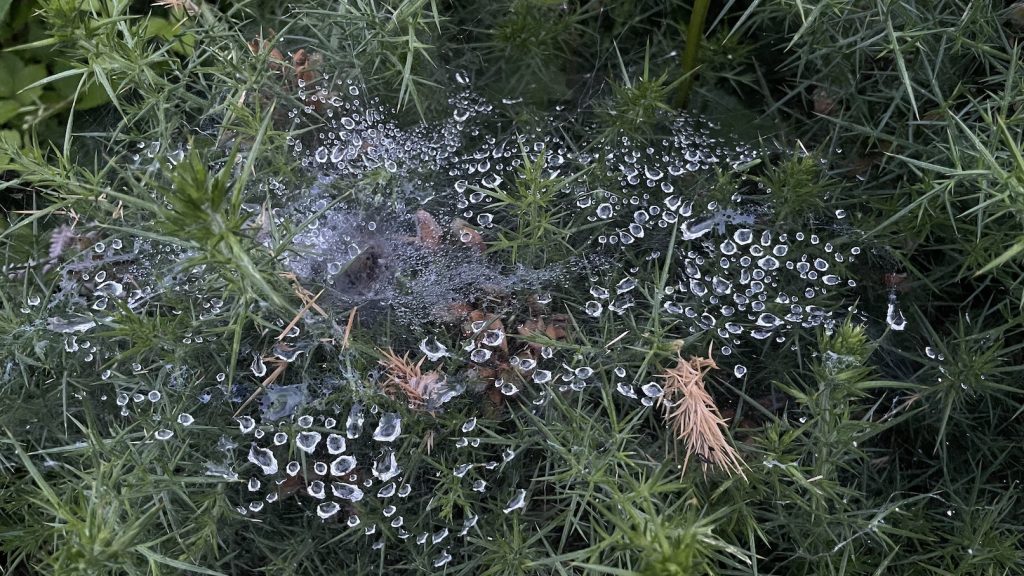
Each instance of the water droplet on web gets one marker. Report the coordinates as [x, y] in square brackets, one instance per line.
[433, 349]
[493, 338]
[386, 467]
[388, 428]
[387, 491]
[307, 441]
[349, 492]
[354, 422]
[335, 444]
[442, 558]
[652, 389]
[469, 425]
[740, 370]
[316, 489]
[517, 501]
[343, 465]
[246, 424]
[894, 316]
[263, 458]
[163, 434]
[626, 390]
[259, 369]
[185, 419]
[327, 509]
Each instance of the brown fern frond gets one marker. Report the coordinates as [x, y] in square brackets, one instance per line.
[694, 417]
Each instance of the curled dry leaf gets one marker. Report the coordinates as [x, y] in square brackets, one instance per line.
[552, 327]
[428, 232]
[691, 412]
[301, 68]
[275, 59]
[305, 65]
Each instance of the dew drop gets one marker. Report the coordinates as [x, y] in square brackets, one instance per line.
[246, 424]
[263, 458]
[335, 444]
[386, 467]
[349, 492]
[517, 501]
[307, 441]
[327, 509]
[388, 428]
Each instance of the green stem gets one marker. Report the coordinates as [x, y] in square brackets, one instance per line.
[694, 36]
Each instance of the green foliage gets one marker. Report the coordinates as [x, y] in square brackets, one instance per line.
[637, 106]
[534, 225]
[869, 450]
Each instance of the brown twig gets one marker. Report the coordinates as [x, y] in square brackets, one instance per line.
[306, 306]
[348, 328]
[278, 370]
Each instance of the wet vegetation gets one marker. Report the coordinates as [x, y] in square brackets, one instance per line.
[517, 287]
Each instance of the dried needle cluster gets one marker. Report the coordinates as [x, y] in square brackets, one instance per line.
[405, 376]
[696, 420]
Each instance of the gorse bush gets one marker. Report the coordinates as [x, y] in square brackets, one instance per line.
[514, 288]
